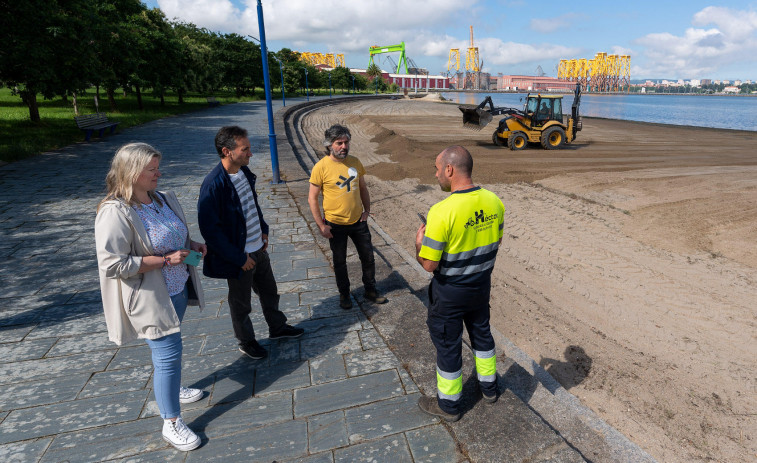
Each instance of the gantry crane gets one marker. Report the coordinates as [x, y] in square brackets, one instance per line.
[471, 56]
[602, 74]
[375, 50]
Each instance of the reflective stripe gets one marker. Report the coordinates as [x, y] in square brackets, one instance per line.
[449, 376]
[468, 262]
[484, 354]
[467, 270]
[487, 378]
[449, 385]
[453, 397]
[433, 244]
[479, 251]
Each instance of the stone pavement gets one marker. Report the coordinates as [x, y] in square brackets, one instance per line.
[345, 391]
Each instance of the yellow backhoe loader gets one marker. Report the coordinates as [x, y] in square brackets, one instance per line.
[540, 121]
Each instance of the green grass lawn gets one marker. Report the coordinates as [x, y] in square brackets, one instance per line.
[21, 138]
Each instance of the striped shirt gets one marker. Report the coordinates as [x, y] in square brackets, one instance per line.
[254, 234]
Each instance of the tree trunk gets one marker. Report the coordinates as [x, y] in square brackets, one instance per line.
[30, 98]
[162, 99]
[76, 104]
[112, 99]
[181, 96]
[139, 97]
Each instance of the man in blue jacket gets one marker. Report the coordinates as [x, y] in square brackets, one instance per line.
[236, 234]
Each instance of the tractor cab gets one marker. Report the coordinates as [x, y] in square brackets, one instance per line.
[543, 109]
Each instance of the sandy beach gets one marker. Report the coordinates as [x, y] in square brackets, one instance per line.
[628, 268]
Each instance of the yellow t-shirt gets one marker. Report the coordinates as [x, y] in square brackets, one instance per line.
[339, 182]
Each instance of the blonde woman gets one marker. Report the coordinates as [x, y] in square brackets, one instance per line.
[142, 241]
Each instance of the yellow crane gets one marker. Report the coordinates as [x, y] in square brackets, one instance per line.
[471, 56]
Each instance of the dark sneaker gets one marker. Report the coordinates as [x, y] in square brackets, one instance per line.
[345, 301]
[254, 351]
[287, 332]
[374, 297]
[431, 406]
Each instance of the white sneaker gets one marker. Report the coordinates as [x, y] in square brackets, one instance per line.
[179, 435]
[187, 395]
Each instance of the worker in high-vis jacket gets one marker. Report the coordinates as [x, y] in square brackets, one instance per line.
[459, 244]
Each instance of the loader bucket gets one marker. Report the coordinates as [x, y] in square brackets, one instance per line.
[475, 118]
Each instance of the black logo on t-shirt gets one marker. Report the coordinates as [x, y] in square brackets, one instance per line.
[345, 182]
[480, 220]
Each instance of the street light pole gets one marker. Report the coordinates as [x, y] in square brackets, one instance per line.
[267, 80]
[353, 83]
[307, 90]
[329, 84]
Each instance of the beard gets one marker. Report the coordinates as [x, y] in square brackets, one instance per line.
[340, 154]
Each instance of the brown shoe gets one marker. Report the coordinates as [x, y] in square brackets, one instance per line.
[431, 406]
[374, 297]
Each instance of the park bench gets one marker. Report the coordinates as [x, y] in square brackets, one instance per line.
[91, 122]
[212, 101]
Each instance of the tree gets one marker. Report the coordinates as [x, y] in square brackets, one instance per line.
[45, 48]
[341, 77]
[373, 71]
[116, 43]
[238, 63]
[361, 83]
[160, 49]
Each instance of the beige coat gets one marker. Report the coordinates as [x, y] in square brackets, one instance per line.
[137, 305]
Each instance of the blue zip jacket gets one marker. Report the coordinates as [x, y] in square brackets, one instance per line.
[223, 224]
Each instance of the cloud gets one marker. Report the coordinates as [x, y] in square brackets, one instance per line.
[549, 25]
[699, 51]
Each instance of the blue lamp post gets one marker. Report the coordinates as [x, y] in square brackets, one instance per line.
[307, 90]
[376, 80]
[267, 80]
[353, 83]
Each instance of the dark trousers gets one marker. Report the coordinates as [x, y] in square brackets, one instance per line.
[259, 279]
[360, 235]
[450, 308]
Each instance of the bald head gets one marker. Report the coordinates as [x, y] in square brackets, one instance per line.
[459, 158]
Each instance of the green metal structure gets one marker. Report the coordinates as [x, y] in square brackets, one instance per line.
[376, 50]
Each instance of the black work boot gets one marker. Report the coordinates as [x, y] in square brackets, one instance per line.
[431, 406]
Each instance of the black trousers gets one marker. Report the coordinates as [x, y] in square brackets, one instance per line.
[259, 279]
[450, 308]
[360, 235]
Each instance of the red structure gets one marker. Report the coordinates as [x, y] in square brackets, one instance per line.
[411, 81]
[532, 83]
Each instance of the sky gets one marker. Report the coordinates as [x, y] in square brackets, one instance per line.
[666, 40]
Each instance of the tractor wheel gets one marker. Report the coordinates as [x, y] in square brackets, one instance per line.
[517, 141]
[497, 140]
[553, 138]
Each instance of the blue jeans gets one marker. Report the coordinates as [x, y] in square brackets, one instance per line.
[166, 359]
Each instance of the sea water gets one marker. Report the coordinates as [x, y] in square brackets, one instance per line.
[725, 112]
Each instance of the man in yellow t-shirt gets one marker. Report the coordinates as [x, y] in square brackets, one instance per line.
[346, 207]
[459, 244]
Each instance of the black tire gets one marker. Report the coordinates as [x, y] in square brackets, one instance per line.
[517, 141]
[498, 140]
[553, 138]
